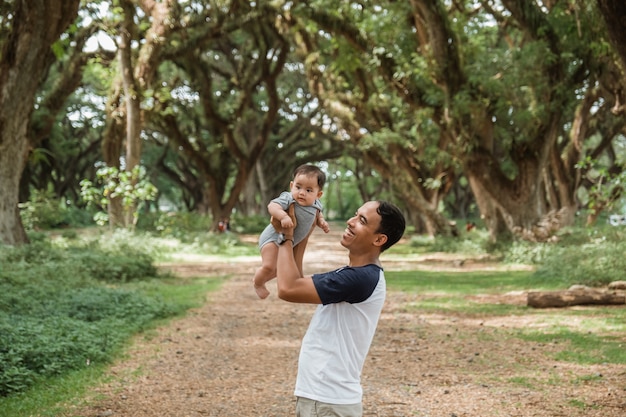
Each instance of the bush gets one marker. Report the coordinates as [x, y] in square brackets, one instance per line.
[44, 212]
[122, 263]
[581, 255]
[57, 314]
[468, 243]
[194, 232]
[179, 225]
[250, 224]
[589, 264]
[36, 347]
[125, 265]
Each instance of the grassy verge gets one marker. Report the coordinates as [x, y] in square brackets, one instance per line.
[585, 335]
[70, 307]
[465, 283]
[49, 396]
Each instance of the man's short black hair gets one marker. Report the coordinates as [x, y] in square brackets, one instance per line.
[392, 223]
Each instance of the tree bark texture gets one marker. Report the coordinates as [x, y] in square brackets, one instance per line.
[547, 299]
[26, 56]
[614, 13]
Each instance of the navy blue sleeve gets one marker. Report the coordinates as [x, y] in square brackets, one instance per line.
[352, 285]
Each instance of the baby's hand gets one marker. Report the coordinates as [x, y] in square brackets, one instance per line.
[286, 222]
[323, 224]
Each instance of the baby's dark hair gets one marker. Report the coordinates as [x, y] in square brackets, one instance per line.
[392, 223]
[310, 171]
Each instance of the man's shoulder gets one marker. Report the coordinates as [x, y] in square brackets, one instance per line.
[348, 283]
[361, 269]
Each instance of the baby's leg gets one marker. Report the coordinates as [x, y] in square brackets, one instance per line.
[267, 271]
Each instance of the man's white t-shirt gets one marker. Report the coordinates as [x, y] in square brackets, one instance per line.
[340, 334]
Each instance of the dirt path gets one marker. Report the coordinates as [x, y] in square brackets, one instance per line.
[236, 357]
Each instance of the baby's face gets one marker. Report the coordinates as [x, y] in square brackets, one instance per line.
[305, 190]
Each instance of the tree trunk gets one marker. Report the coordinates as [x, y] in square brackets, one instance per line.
[132, 102]
[406, 179]
[614, 13]
[489, 213]
[25, 58]
[541, 299]
[124, 114]
[11, 229]
[518, 202]
[112, 142]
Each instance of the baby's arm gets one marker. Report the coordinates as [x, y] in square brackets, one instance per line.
[322, 223]
[276, 211]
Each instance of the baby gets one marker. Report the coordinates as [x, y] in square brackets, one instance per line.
[299, 208]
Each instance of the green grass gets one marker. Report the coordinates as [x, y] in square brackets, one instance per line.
[582, 347]
[585, 335]
[466, 283]
[523, 381]
[464, 307]
[582, 405]
[184, 293]
[50, 397]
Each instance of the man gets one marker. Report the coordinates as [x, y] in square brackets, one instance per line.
[350, 302]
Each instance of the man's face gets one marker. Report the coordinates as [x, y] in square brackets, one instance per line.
[361, 232]
[305, 190]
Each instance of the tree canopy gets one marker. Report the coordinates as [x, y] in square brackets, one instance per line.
[439, 105]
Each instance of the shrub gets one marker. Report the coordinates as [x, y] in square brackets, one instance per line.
[44, 212]
[180, 225]
[132, 188]
[468, 243]
[581, 255]
[249, 224]
[59, 311]
[125, 265]
[589, 264]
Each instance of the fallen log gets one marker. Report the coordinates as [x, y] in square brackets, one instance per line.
[547, 299]
[617, 285]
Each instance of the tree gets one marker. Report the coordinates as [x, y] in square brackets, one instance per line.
[230, 109]
[66, 126]
[349, 54]
[507, 95]
[614, 14]
[505, 91]
[146, 23]
[29, 30]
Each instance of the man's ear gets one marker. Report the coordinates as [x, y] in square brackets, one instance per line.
[380, 239]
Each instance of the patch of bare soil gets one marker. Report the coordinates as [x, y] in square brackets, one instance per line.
[237, 356]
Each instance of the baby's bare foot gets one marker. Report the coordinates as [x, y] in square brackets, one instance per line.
[261, 290]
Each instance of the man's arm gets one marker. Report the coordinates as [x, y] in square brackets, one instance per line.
[292, 286]
[298, 253]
